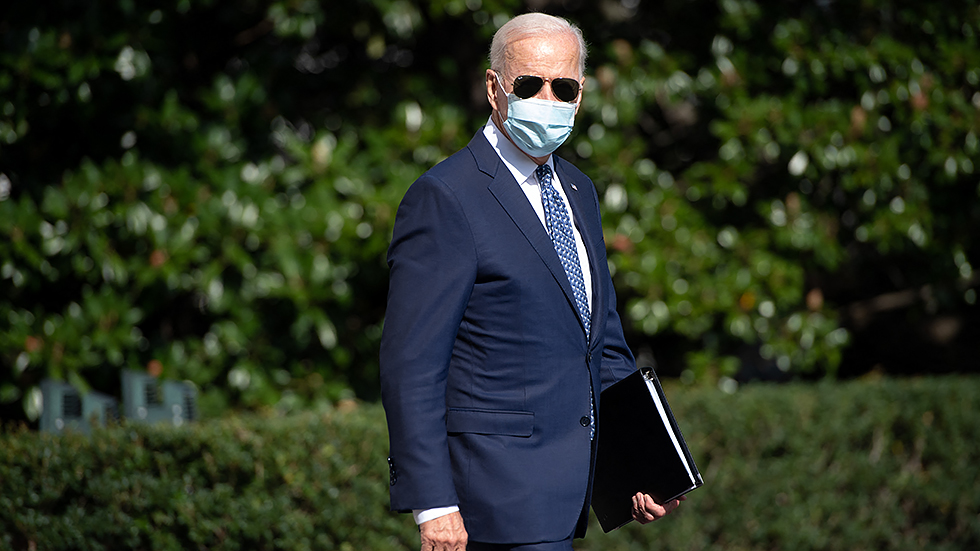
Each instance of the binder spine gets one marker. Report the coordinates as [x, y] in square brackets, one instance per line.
[650, 375]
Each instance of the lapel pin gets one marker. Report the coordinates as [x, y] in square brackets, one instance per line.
[574, 187]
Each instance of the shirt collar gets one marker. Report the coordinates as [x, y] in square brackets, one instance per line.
[519, 164]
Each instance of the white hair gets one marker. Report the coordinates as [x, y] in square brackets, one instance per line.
[533, 24]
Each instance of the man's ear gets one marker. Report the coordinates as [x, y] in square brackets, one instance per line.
[492, 88]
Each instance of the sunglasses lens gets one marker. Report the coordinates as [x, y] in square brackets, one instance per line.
[526, 86]
[565, 89]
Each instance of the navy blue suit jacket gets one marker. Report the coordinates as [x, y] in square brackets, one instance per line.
[485, 370]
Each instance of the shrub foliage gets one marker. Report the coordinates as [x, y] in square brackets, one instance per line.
[862, 465]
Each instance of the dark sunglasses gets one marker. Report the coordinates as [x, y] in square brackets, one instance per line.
[565, 89]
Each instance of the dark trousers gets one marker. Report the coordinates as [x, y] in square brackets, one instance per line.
[564, 545]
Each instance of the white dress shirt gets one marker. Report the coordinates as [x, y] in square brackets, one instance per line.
[523, 167]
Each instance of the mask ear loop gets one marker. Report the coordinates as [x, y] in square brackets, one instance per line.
[500, 83]
[504, 115]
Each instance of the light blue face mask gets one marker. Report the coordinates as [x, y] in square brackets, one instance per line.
[538, 126]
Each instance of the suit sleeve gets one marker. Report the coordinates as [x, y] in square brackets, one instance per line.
[617, 360]
[432, 263]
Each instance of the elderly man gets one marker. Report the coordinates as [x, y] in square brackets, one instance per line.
[501, 328]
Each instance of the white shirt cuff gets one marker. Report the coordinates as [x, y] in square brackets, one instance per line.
[423, 515]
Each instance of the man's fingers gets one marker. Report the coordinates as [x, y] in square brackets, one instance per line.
[645, 509]
[445, 533]
[443, 545]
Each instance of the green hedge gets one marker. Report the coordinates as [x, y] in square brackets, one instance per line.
[308, 481]
[888, 464]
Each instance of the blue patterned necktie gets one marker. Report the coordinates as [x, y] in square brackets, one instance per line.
[560, 228]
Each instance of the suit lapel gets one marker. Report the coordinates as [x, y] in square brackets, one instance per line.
[507, 191]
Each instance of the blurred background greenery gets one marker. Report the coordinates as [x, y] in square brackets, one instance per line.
[207, 189]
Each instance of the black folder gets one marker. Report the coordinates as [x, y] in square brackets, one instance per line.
[640, 449]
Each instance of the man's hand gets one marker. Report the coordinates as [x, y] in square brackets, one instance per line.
[445, 533]
[645, 509]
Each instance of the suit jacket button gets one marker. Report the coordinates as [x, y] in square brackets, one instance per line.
[584, 421]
